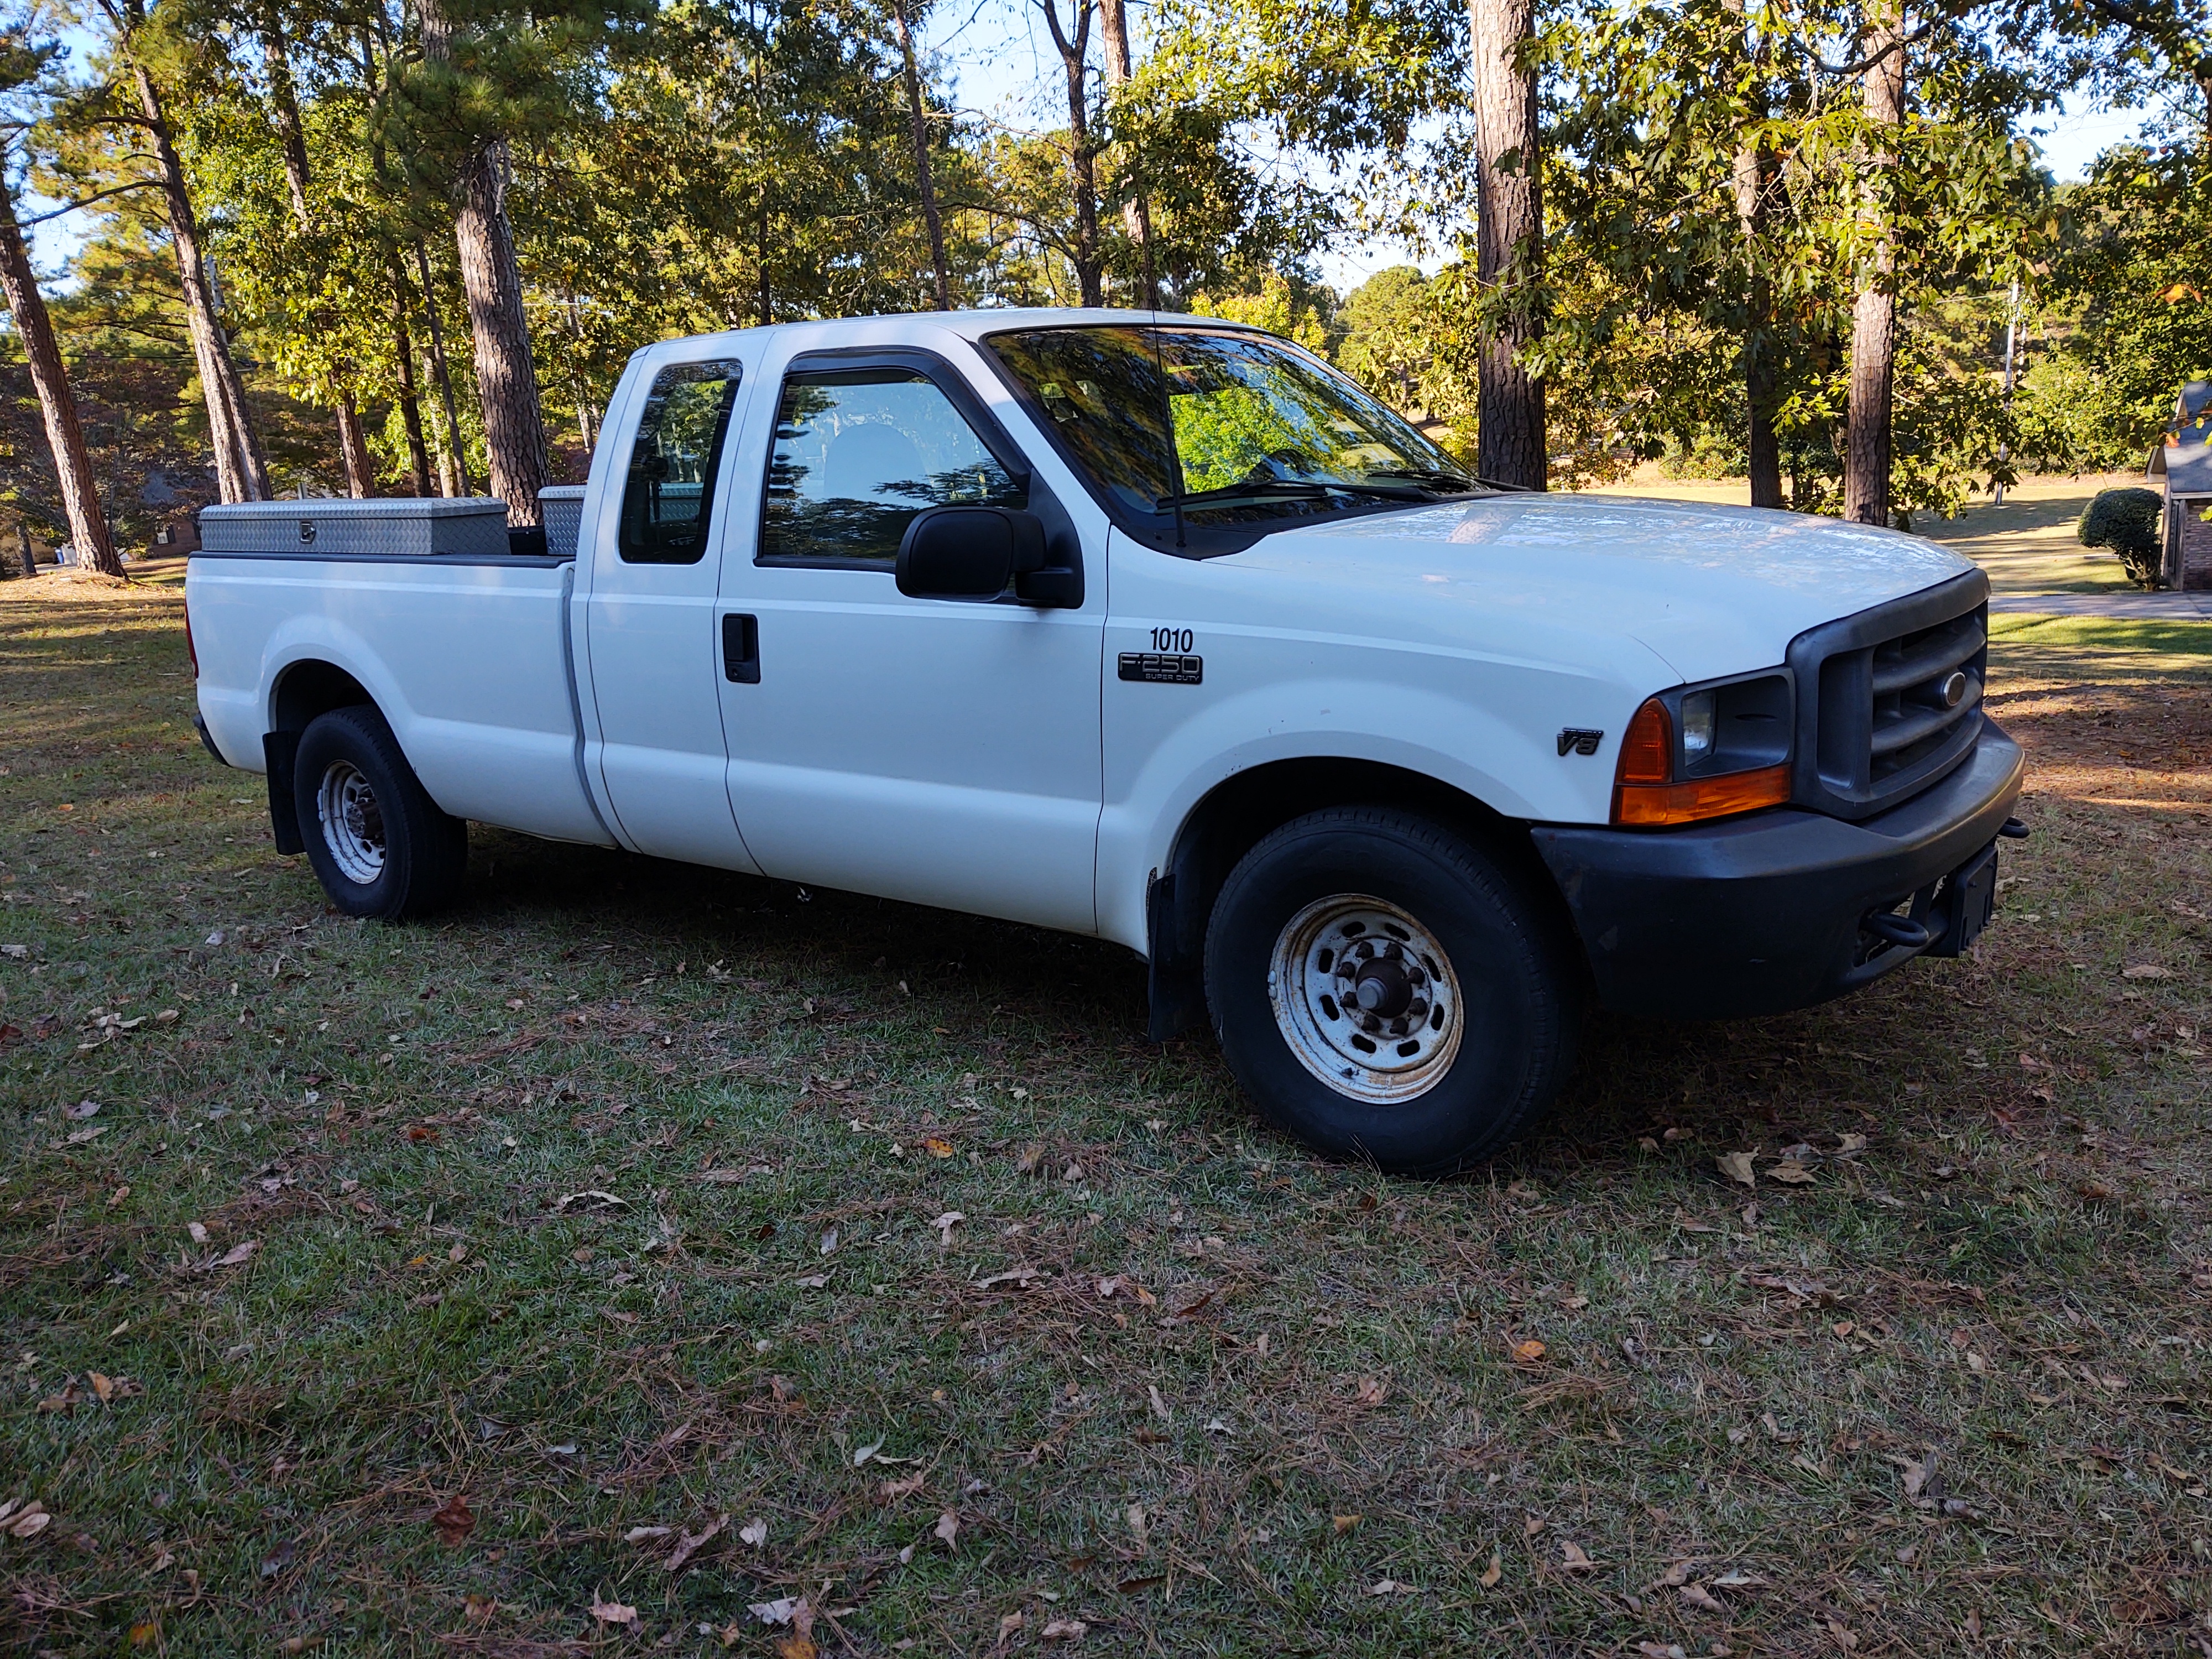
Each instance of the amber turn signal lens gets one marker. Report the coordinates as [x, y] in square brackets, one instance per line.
[1701, 797]
[1647, 753]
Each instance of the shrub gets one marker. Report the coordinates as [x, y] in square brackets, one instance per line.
[2132, 523]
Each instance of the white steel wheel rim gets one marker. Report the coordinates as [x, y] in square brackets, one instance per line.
[1366, 998]
[352, 822]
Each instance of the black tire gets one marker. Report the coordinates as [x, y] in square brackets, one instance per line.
[421, 854]
[1512, 990]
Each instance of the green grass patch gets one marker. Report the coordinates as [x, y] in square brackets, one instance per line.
[625, 1199]
[2146, 644]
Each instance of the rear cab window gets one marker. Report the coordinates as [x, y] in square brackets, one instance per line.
[668, 495]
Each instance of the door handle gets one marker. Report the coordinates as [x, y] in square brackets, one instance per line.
[741, 649]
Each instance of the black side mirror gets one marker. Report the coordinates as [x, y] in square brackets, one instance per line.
[968, 552]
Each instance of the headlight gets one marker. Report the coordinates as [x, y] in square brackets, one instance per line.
[1707, 751]
[1697, 715]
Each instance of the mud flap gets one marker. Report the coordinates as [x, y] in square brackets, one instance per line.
[278, 750]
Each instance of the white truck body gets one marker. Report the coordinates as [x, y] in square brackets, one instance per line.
[993, 756]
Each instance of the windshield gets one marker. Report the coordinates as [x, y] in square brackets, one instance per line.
[1259, 430]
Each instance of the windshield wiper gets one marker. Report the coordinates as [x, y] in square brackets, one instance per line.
[1294, 490]
[1457, 482]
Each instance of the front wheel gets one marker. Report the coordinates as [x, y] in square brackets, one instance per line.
[380, 845]
[1385, 991]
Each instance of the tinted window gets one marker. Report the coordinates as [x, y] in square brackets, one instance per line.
[858, 452]
[669, 490]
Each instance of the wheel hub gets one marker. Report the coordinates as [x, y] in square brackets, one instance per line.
[352, 821]
[1366, 998]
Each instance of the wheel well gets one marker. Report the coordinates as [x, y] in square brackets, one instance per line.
[304, 690]
[1242, 810]
[310, 688]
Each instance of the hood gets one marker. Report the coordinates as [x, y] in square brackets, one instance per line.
[1710, 590]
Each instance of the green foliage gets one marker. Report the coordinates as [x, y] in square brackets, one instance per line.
[2132, 523]
[2134, 322]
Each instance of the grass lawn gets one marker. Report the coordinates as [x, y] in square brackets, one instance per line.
[868, 1256]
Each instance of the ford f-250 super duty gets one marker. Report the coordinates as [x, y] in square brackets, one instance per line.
[1158, 630]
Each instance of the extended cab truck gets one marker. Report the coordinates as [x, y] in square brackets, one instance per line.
[1157, 629]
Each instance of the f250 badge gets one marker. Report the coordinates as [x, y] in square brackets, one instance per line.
[1580, 739]
[1163, 668]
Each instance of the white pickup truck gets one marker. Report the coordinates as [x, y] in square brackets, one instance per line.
[1158, 630]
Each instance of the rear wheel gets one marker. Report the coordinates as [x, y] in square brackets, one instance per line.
[1384, 990]
[378, 844]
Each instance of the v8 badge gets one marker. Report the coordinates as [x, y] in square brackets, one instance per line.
[1579, 739]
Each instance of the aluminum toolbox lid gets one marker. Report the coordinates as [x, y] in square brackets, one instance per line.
[347, 507]
[335, 526]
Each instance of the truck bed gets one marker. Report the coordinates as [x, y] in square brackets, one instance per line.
[470, 663]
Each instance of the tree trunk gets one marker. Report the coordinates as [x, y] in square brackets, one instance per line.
[1082, 157]
[410, 407]
[241, 469]
[1874, 319]
[506, 375]
[353, 446]
[1508, 242]
[1754, 179]
[456, 466]
[1755, 183]
[283, 92]
[23, 548]
[1136, 212]
[923, 180]
[50, 377]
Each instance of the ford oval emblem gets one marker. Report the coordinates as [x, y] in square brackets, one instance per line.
[1953, 691]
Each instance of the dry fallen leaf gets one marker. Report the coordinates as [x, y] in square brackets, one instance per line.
[1697, 1595]
[1371, 1391]
[944, 1224]
[24, 1518]
[948, 1529]
[102, 1386]
[1790, 1172]
[755, 1531]
[936, 1146]
[795, 1646]
[1159, 1406]
[454, 1521]
[1572, 1560]
[1064, 1630]
[1527, 1353]
[1134, 1515]
[889, 1491]
[613, 1613]
[1492, 1573]
[689, 1544]
[1344, 1524]
[2146, 971]
[1736, 1166]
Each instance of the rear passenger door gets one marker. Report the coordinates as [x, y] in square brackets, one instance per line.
[650, 617]
[940, 751]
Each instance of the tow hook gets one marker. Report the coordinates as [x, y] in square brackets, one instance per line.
[2014, 829]
[1898, 930]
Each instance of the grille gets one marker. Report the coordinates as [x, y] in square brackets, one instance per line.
[1889, 700]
